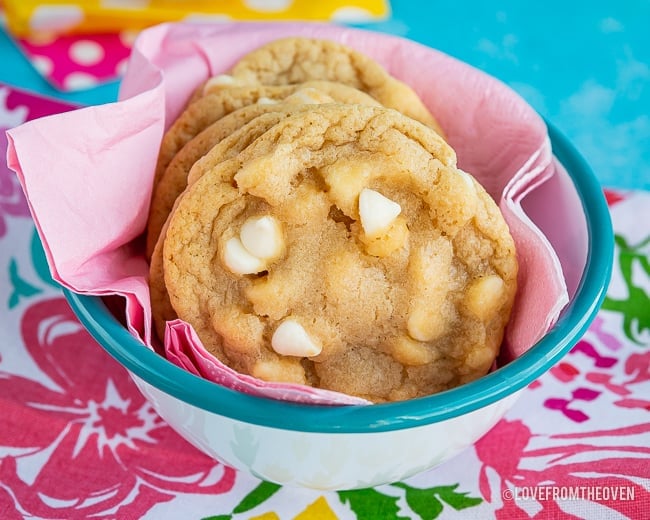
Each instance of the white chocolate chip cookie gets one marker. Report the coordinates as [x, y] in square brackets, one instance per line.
[205, 110]
[298, 59]
[343, 249]
[205, 123]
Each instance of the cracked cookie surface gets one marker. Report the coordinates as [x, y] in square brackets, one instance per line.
[343, 248]
[206, 109]
[297, 59]
[244, 126]
[203, 124]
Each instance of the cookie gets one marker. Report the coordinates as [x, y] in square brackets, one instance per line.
[227, 148]
[344, 249]
[174, 179]
[207, 109]
[295, 60]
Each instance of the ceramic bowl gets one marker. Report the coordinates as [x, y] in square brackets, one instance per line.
[350, 447]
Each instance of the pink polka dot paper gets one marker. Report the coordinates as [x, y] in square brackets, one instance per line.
[78, 62]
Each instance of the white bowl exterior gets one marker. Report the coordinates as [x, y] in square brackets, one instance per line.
[324, 461]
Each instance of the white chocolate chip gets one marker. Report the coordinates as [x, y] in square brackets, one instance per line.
[484, 296]
[239, 260]
[377, 212]
[425, 324]
[266, 101]
[308, 96]
[291, 339]
[262, 237]
[384, 243]
[467, 178]
[222, 80]
[411, 352]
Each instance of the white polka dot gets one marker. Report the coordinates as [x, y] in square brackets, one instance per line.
[55, 17]
[352, 15]
[120, 68]
[268, 6]
[79, 81]
[43, 64]
[86, 52]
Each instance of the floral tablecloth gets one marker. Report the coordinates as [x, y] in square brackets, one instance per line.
[77, 440]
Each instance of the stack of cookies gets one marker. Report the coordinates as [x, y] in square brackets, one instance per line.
[309, 222]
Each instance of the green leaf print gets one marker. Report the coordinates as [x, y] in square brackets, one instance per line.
[456, 500]
[429, 503]
[368, 504]
[21, 288]
[260, 494]
[636, 307]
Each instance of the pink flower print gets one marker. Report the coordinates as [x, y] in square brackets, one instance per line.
[563, 405]
[8, 507]
[606, 381]
[607, 339]
[588, 350]
[564, 372]
[88, 415]
[534, 384]
[616, 457]
[613, 197]
[627, 402]
[638, 366]
[637, 370]
[502, 450]
[491, 452]
[12, 200]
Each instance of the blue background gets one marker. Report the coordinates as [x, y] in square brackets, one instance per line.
[583, 65]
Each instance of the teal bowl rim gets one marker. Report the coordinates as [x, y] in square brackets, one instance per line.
[181, 384]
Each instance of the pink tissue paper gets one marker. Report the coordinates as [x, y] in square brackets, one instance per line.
[87, 175]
